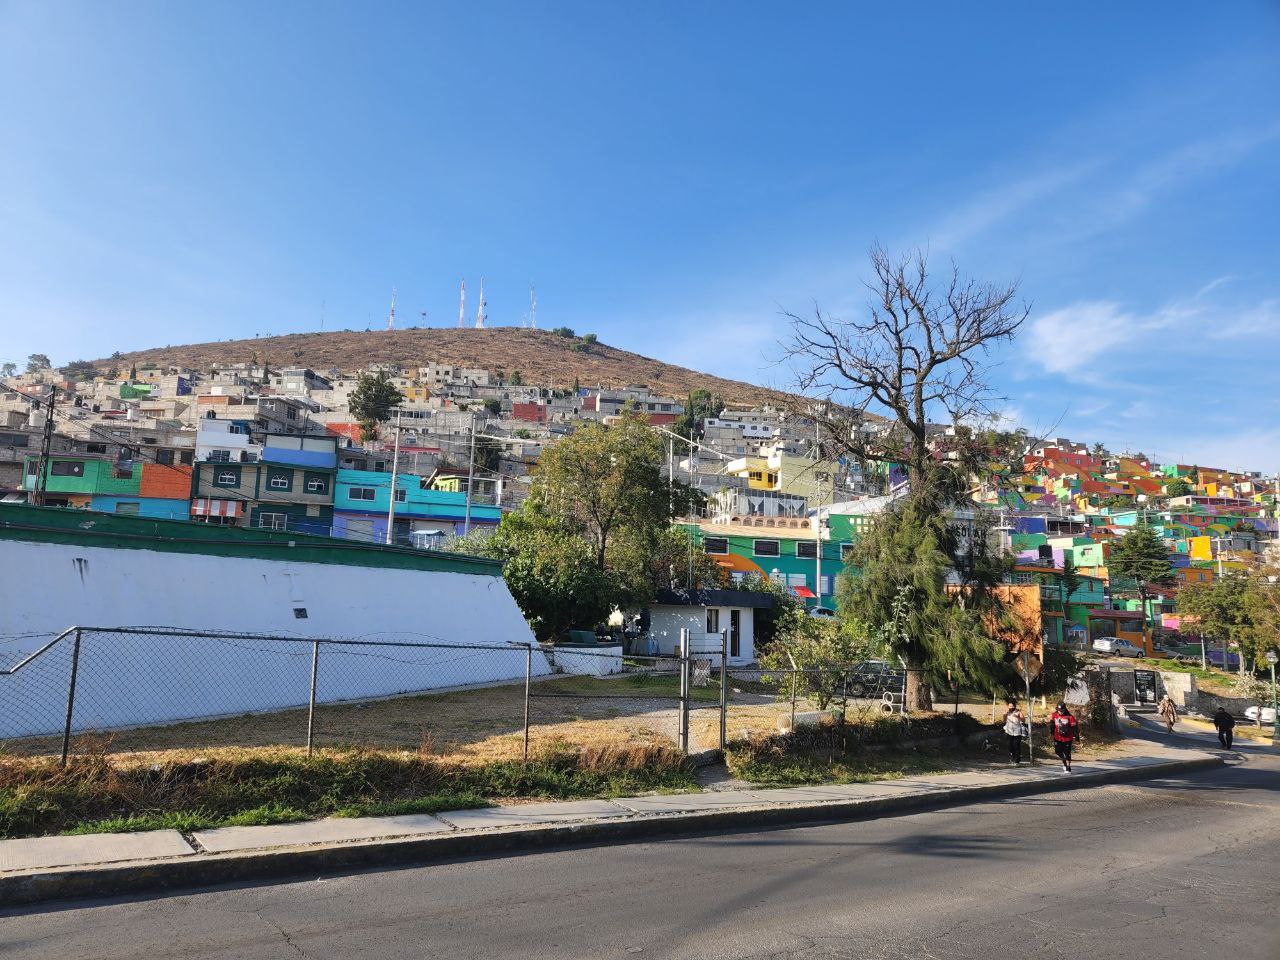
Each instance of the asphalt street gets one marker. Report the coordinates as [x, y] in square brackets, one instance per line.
[1183, 867]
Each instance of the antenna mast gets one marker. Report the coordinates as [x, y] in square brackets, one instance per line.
[391, 317]
[533, 308]
[480, 317]
[462, 306]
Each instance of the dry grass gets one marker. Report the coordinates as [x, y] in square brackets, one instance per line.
[471, 726]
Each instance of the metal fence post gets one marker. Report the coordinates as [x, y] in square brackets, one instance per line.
[724, 686]
[311, 708]
[683, 667]
[528, 677]
[71, 698]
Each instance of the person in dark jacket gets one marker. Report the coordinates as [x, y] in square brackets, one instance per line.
[1225, 723]
[1066, 734]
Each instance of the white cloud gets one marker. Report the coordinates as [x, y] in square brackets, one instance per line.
[1069, 340]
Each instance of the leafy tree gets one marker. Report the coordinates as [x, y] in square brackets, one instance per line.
[372, 401]
[493, 406]
[1177, 488]
[1140, 557]
[566, 332]
[1224, 608]
[900, 591]
[1071, 580]
[604, 481]
[674, 560]
[488, 454]
[80, 370]
[516, 379]
[701, 404]
[550, 572]
[589, 338]
[768, 621]
[8, 369]
[37, 362]
[821, 648]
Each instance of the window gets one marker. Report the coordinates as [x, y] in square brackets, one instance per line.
[402, 496]
[280, 481]
[713, 621]
[164, 457]
[93, 447]
[846, 551]
[716, 545]
[765, 548]
[219, 456]
[797, 580]
[291, 413]
[362, 493]
[317, 485]
[226, 478]
[67, 468]
[128, 509]
[247, 457]
[806, 549]
[273, 521]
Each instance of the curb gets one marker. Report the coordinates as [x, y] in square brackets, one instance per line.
[200, 870]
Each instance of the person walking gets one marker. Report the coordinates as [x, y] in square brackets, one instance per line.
[1066, 734]
[1168, 711]
[1225, 723]
[1015, 728]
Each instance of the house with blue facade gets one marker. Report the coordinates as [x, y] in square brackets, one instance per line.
[423, 516]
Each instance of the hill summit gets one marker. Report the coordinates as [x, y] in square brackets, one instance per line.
[541, 356]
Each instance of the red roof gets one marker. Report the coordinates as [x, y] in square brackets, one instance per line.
[804, 592]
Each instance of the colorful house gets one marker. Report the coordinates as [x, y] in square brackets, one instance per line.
[423, 515]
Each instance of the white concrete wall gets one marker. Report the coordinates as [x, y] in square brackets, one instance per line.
[129, 680]
[598, 662]
[666, 622]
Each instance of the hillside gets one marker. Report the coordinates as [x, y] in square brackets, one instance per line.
[541, 356]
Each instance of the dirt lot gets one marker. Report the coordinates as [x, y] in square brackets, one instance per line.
[481, 724]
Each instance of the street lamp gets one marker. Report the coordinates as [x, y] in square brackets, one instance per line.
[1272, 657]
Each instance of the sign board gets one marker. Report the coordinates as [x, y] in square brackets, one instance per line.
[1144, 682]
[1029, 666]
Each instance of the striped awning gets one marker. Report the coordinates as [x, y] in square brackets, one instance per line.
[201, 507]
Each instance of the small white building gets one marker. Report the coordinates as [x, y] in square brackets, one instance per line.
[706, 611]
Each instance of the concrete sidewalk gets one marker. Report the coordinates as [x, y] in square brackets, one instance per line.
[47, 868]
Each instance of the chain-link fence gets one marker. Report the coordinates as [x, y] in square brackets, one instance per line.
[147, 690]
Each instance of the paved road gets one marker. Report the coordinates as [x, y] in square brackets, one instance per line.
[1175, 868]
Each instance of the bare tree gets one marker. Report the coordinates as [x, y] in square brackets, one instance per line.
[919, 356]
[875, 386]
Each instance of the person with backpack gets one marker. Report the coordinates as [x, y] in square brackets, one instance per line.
[1066, 734]
[1225, 723]
[1168, 711]
[1015, 728]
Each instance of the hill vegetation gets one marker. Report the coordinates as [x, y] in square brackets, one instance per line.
[542, 357]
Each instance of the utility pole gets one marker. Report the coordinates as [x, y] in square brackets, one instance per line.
[46, 444]
[395, 467]
[817, 557]
[471, 474]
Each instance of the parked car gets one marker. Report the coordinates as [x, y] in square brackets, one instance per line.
[825, 613]
[1268, 714]
[1117, 647]
[871, 678]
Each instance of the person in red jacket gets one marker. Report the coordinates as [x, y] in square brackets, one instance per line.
[1066, 733]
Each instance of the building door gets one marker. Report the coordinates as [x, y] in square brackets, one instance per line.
[735, 625]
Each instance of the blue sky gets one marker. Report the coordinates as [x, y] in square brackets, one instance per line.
[669, 175]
